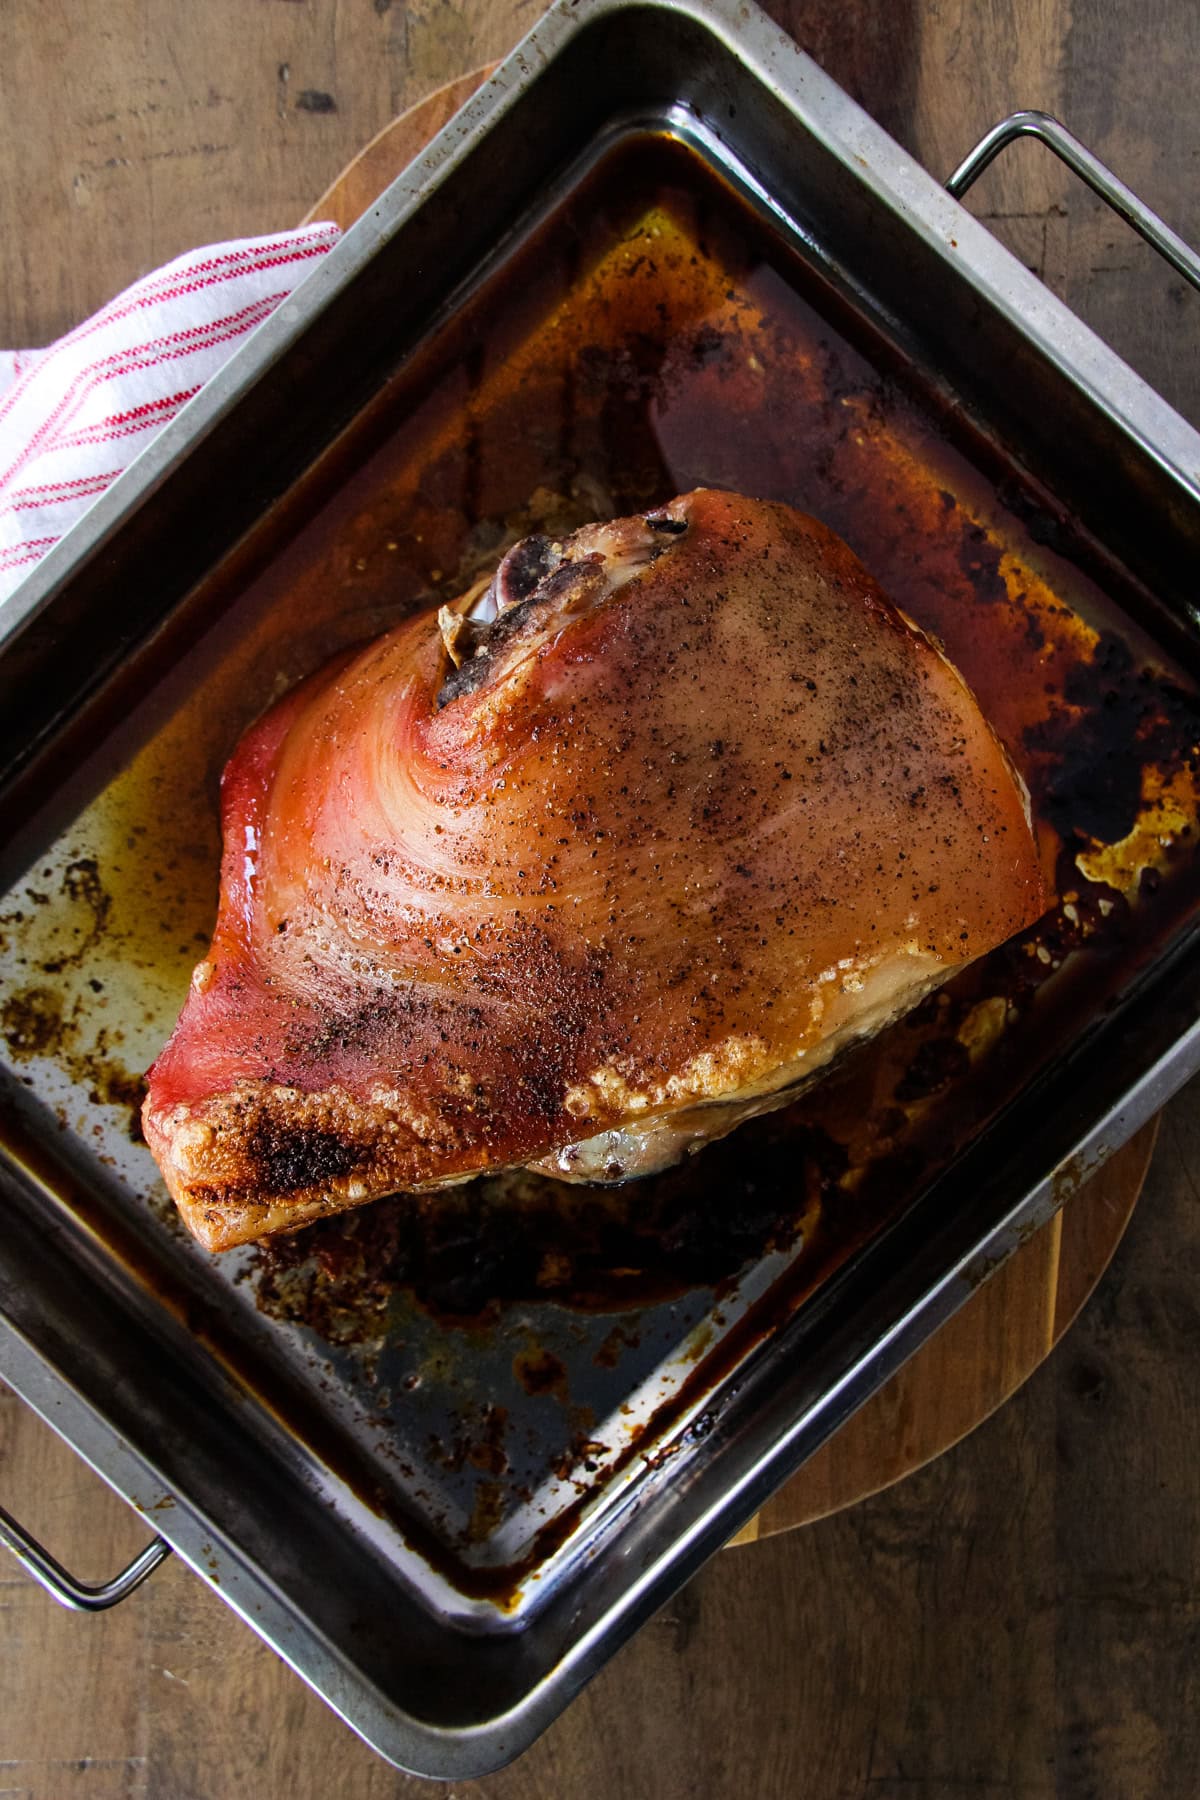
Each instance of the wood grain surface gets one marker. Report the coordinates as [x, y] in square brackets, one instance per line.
[1021, 1617]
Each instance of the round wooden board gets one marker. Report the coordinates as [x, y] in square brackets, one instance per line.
[996, 1341]
[360, 184]
[977, 1359]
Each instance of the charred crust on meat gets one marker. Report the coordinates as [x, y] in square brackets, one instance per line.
[289, 1159]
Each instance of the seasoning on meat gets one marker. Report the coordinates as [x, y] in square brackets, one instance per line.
[621, 849]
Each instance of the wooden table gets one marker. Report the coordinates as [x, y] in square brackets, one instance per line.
[1020, 1618]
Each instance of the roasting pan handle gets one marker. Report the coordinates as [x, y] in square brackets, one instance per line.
[79, 1595]
[1048, 130]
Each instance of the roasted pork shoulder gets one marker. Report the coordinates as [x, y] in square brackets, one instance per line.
[622, 848]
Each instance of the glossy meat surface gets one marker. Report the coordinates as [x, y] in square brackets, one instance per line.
[581, 872]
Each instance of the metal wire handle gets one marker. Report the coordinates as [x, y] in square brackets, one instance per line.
[1099, 177]
[81, 1596]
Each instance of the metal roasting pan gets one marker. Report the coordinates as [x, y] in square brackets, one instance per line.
[293, 1471]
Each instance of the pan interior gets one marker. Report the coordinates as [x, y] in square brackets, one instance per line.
[493, 1367]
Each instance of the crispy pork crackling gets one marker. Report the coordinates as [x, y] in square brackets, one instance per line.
[579, 873]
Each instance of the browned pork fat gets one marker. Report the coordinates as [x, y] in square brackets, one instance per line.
[582, 871]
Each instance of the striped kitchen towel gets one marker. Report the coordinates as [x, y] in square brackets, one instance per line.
[74, 415]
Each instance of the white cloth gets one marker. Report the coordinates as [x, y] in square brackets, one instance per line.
[74, 415]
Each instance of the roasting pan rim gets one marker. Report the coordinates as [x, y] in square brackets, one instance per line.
[921, 207]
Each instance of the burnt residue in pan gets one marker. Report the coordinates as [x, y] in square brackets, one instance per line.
[37, 1021]
[467, 1251]
[1108, 724]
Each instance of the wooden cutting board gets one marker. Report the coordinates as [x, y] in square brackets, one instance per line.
[1010, 1326]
